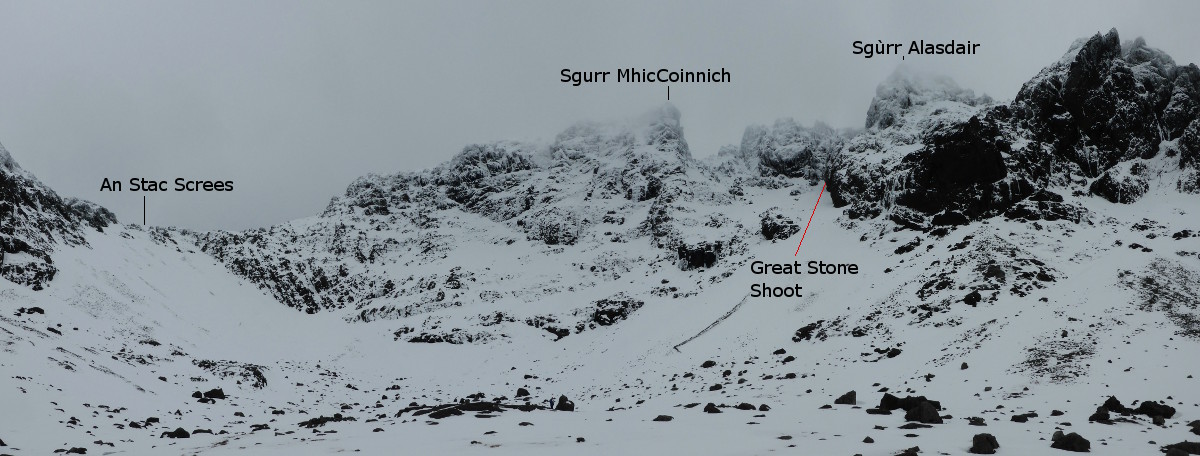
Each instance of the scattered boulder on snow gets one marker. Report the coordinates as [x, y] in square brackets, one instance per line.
[321, 420]
[1185, 447]
[925, 412]
[564, 404]
[1023, 417]
[664, 418]
[215, 393]
[849, 398]
[891, 402]
[178, 433]
[1154, 409]
[984, 444]
[1175, 452]
[972, 299]
[1101, 415]
[711, 408]
[522, 392]
[1070, 442]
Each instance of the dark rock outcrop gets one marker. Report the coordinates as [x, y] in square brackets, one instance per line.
[564, 405]
[1070, 442]
[925, 412]
[776, 226]
[984, 444]
[178, 433]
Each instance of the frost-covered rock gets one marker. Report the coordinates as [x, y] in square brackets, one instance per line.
[791, 150]
[34, 220]
[1094, 122]
[907, 87]
[1104, 102]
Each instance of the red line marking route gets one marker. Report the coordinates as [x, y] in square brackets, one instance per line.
[814, 212]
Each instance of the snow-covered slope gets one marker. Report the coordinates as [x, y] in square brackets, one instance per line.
[453, 310]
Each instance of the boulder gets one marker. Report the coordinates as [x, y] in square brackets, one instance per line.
[1153, 409]
[564, 404]
[1071, 442]
[926, 412]
[178, 433]
[984, 444]
[1185, 446]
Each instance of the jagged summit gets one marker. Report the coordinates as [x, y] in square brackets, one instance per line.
[1106, 103]
[908, 86]
[608, 271]
[1116, 121]
[6, 161]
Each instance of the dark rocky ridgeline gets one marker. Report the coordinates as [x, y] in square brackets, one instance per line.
[1086, 123]
[1109, 103]
[33, 219]
[591, 175]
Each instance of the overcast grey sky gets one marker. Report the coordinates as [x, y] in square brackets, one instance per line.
[292, 100]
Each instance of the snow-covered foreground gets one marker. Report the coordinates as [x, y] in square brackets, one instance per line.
[128, 317]
[1028, 274]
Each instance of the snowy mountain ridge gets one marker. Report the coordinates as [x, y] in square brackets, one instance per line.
[1004, 282]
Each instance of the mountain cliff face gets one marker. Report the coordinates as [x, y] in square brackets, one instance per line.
[933, 155]
[399, 247]
[35, 219]
[1009, 258]
[1106, 119]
